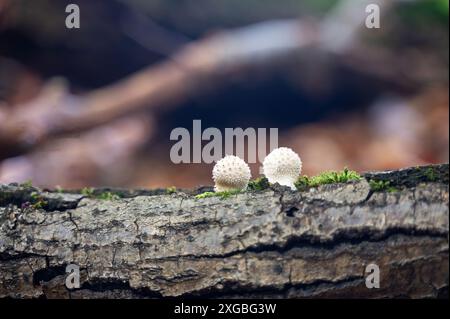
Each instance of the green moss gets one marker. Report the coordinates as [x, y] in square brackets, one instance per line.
[34, 196]
[27, 184]
[303, 182]
[39, 204]
[329, 177]
[37, 201]
[431, 174]
[108, 196]
[205, 195]
[258, 184]
[88, 192]
[381, 186]
[222, 195]
[59, 189]
[171, 190]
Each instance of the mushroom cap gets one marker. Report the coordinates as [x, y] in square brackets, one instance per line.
[282, 166]
[231, 173]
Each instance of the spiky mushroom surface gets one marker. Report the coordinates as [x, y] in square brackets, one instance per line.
[282, 166]
[231, 173]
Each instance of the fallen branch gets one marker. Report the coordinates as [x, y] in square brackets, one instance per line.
[196, 66]
[268, 243]
[155, 88]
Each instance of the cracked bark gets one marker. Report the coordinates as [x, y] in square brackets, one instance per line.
[269, 243]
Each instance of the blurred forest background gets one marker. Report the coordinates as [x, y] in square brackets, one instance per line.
[95, 106]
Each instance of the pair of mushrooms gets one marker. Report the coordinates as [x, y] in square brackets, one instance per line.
[282, 166]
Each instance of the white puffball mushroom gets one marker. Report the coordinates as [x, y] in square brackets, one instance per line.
[282, 166]
[231, 173]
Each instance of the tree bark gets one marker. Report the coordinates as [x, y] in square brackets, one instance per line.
[268, 243]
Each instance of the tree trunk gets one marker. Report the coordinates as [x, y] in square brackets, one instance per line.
[268, 243]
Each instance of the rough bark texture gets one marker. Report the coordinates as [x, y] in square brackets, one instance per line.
[269, 243]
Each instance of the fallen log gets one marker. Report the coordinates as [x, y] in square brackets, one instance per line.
[274, 242]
